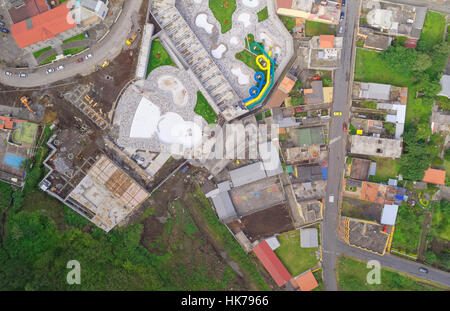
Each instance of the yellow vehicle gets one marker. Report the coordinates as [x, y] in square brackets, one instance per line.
[131, 40]
[337, 113]
[105, 63]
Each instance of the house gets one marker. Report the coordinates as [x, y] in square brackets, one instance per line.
[43, 26]
[445, 83]
[318, 94]
[325, 52]
[307, 281]
[309, 238]
[360, 169]
[282, 92]
[272, 264]
[377, 42]
[433, 176]
[327, 12]
[389, 214]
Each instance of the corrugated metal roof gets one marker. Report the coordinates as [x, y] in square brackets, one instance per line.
[271, 159]
[375, 91]
[389, 214]
[223, 205]
[272, 264]
[247, 174]
[309, 238]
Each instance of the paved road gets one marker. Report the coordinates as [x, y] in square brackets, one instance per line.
[435, 5]
[333, 247]
[337, 147]
[108, 48]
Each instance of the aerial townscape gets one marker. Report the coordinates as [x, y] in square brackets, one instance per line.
[225, 145]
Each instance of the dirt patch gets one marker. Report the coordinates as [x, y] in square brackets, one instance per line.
[355, 208]
[264, 224]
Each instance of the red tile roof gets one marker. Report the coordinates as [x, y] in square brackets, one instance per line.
[307, 281]
[285, 4]
[272, 264]
[8, 122]
[43, 26]
[433, 176]
[326, 41]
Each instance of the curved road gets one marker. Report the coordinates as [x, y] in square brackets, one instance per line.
[332, 247]
[108, 48]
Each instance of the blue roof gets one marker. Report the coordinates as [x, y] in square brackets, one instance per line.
[324, 173]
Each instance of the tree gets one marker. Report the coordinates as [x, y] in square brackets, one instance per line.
[416, 158]
[423, 130]
[423, 62]
[400, 58]
[447, 154]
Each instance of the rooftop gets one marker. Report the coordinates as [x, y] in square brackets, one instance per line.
[272, 264]
[307, 281]
[434, 176]
[382, 147]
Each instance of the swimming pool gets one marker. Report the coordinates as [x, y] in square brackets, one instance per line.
[13, 160]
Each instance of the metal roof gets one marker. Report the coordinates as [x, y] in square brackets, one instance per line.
[375, 91]
[223, 205]
[247, 174]
[271, 159]
[389, 214]
[309, 238]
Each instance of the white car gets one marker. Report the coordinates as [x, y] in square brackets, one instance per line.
[88, 56]
[50, 70]
[8, 73]
[23, 75]
[331, 198]
[60, 67]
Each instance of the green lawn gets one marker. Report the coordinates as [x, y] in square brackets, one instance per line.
[408, 226]
[296, 259]
[41, 51]
[370, 67]
[317, 29]
[74, 51]
[263, 15]
[440, 223]
[223, 11]
[386, 168]
[318, 275]
[158, 57]
[75, 38]
[203, 109]
[289, 22]
[352, 276]
[433, 30]
[48, 60]
[438, 237]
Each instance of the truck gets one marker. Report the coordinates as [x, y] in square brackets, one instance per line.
[131, 39]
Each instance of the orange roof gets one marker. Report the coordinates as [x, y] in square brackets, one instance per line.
[272, 264]
[369, 192]
[8, 122]
[286, 85]
[43, 26]
[326, 42]
[307, 281]
[433, 176]
[277, 99]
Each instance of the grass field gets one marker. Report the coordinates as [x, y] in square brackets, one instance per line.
[74, 51]
[223, 11]
[433, 30]
[317, 29]
[289, 22]
[203, 109]
[386, 168]
[158, 57]
[41, 51]
[48, 60]
[263, 14]
[370, 67]
[352, 276]
[75, 38]
[296, 259]
[408, 226]
[440, 222]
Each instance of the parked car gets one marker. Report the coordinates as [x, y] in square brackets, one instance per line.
[345, 127]
[80, 60]
[86, 35]
[342, 16]
[4, 30]
[50, 70]
[2, 23]
[337, 113]
[343, 3]
[8, 73]
[423, 270]
[341, 29]
[23, 75]
[88, 56]
[316, 78]
[60, 67]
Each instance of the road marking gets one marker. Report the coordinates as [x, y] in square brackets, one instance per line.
[334, 140]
